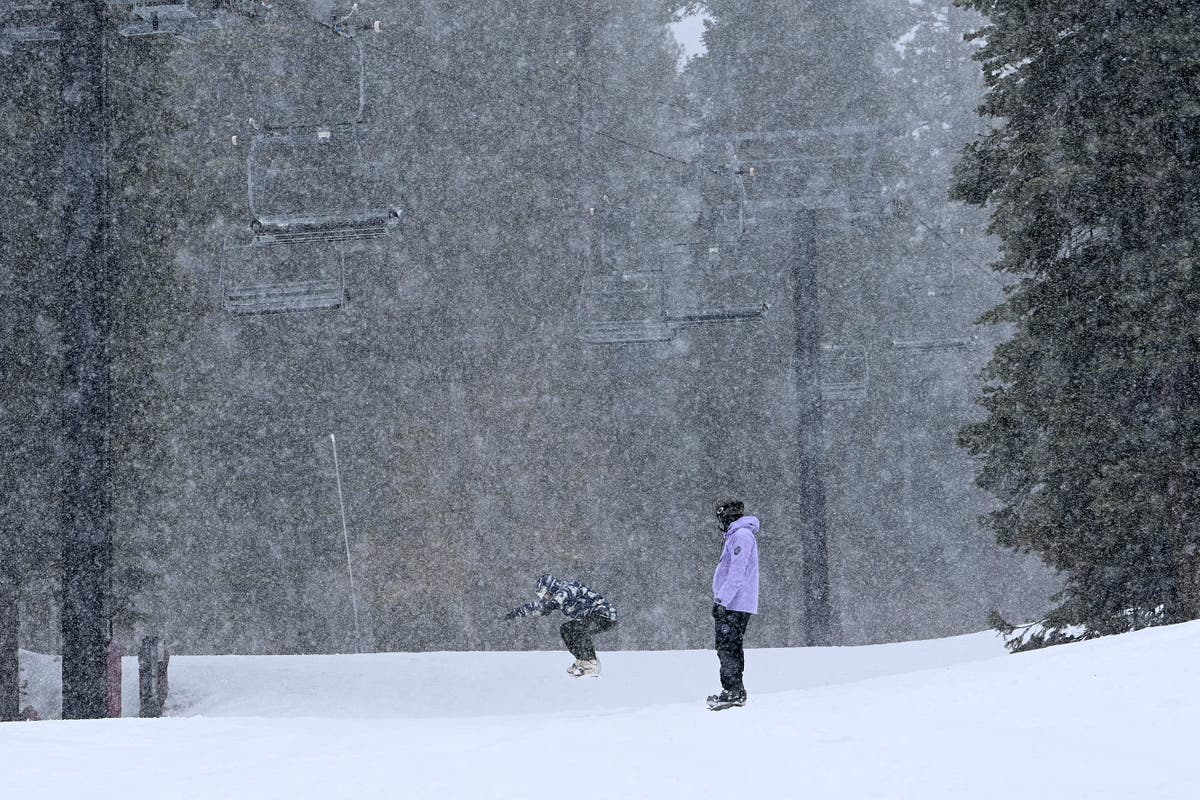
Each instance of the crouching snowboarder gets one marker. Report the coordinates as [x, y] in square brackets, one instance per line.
[589, 614]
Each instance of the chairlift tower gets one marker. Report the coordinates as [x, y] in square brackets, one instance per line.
[807, 176]
[86, 515]
[86, 502]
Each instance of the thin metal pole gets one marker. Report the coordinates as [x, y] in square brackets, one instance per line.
[346, 538]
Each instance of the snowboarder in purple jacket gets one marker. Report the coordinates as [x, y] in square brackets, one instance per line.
[735, 598]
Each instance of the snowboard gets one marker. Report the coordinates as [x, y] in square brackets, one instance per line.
[721, 705]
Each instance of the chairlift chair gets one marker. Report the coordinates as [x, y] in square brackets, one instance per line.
[622, 309]
[282, 278]
[717, 208]
[713, 284]
[315, 295]
[27, 23]
[822, 169]
[316, 184]
[712, 279]
[931, 343]
[166, 17]
[844, 373]
[941, 283]
[333, 95]
[705, 282]
[702, 317]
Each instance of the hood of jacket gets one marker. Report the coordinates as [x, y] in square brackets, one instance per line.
[746, 523]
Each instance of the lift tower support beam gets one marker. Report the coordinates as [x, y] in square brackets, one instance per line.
[86, 399]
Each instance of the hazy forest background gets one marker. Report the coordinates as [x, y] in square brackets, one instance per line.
[539, 152]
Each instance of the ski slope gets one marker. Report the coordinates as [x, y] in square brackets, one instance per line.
[949, 719]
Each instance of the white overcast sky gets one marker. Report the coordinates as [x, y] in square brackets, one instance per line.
[687, 32]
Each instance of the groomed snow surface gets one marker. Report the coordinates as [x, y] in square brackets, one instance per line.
[949, 719]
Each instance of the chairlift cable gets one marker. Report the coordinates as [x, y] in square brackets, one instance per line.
[938, 235]
[631, 92]
[626, 89]
[577, 123]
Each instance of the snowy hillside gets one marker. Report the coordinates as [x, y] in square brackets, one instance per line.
[943, 719]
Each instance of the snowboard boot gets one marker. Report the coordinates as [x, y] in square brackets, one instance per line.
[584, 669]
[726, 699]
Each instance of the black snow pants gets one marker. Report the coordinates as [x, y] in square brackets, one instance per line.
[731, 630]
[577, 635]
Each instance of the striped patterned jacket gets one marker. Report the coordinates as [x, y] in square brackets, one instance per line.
[571, 597]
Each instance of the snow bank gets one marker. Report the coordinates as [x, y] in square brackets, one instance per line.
[944, 719]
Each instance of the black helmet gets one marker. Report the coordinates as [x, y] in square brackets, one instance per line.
[729, 511]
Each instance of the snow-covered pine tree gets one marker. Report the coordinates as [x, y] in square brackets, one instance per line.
[29, 363]
[1092, 432]
[145, 311]
[153, 303]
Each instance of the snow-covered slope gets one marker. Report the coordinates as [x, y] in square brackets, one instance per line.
[952, 718]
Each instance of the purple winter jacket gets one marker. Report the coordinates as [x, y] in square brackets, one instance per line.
[735, 584]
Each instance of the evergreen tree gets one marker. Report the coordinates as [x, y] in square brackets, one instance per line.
[899, 483]
[146, 313]
[1092, 434]
[152, 302]
[29, 363]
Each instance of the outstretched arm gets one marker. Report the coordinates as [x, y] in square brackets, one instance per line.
[533, 609]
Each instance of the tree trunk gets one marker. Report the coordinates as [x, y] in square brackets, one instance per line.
[1181, 489]
[10, 669]
[1185, 565]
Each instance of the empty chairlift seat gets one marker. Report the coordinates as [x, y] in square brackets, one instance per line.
[844, 373]
[931, 343]
[622, 308]
[315, 179]
[165, 17]
[703, 289]
[27, 23]
[714, 284]
[318, 184]
[829, 169]
[280, 278]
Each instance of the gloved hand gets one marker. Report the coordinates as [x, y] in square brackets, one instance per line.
[511, 615]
